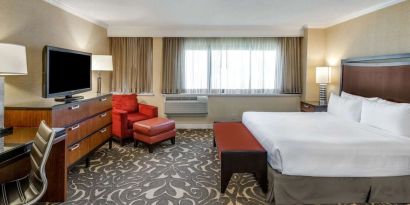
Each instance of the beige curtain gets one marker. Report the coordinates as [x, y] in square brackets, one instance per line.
[289, 63]
[132, 62]
[173, 65]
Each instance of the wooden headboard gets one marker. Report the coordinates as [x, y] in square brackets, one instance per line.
[387, 77]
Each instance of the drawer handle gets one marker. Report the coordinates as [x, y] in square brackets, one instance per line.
[76, 146]
[74, 107]
[103, 115]
[306, 106]
[75, 127]
[103, 130]
[103, 99]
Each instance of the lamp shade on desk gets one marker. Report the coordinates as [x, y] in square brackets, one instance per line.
[13, 59]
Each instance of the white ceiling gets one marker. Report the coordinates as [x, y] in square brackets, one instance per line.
[217, 17]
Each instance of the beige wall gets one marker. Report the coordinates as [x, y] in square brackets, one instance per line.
[34, 24]
[386, 31]
[220, 107]
[314, 53]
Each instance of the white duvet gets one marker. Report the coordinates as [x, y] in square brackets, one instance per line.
[322, 145]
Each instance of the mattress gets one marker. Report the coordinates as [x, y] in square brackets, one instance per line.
[321, 145]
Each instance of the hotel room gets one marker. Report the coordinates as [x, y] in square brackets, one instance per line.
[204, 102]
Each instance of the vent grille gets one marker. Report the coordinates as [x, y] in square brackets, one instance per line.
[186, 105]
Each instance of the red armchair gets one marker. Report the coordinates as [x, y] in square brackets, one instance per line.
[126, 110]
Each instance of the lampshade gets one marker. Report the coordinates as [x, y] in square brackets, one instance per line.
[13, 59]
[102, 63]
[323, 75]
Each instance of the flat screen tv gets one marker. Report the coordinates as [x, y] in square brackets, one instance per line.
[65, 73]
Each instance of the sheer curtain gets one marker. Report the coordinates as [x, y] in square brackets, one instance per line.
[231, 66]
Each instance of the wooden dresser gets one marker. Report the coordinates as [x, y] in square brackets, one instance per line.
[87, 123]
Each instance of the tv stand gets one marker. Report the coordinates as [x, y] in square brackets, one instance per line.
[69, 98]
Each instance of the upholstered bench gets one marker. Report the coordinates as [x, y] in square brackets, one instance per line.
[239, 152]
[154, 131]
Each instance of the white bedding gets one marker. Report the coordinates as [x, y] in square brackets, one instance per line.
[322, 145]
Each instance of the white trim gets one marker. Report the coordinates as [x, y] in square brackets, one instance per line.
[204, 31]
[356, 14]
[75, 12]
[193, 126]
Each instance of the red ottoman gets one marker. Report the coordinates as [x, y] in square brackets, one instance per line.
[154, 131]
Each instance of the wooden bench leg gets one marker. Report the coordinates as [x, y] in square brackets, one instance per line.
[261, 177]
[135, 143]
[225, 178]
[214, 142]
[173, 140]
[110, 143]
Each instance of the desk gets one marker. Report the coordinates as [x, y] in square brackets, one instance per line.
[14, 160]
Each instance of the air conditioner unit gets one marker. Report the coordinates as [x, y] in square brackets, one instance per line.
[186, 105]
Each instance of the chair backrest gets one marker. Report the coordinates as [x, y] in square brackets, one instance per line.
[125, 102]
[40, 150]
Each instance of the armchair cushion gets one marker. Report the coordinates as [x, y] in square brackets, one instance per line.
[128, 103]
[135, 117]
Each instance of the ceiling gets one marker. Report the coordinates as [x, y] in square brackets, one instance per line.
[217, 17]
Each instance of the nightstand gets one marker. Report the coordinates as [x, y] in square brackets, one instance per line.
[312, 106]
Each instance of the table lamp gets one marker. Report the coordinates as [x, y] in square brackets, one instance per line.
[323, 78]
[101, 63]
[13, 61]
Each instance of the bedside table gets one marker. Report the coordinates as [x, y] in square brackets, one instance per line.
[311, 106]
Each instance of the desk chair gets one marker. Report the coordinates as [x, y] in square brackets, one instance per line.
[30, 189]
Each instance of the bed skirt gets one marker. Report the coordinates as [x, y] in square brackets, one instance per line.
[285, 189]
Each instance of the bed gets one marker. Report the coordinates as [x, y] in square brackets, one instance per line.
[320, 158]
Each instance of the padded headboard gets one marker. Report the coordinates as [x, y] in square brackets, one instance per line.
[387, 77]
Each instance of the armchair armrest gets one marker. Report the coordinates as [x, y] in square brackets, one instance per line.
[148, 110]
[119, 123]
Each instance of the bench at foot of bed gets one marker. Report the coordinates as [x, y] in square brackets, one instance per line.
[239, 152]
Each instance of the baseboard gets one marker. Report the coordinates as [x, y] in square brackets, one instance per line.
[193, 126]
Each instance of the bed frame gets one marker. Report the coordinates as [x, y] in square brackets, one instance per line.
[387, 77]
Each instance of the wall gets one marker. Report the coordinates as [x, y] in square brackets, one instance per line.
[34, 24]
[220, 107]
[386, 31]
[314, 55]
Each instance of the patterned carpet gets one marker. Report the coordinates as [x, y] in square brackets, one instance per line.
[185, 173]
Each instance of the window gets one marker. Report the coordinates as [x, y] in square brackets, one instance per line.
[230, 65]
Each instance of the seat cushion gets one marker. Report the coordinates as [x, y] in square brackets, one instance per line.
[234, 136]
[154, 126]
[127, 103]
[134, 117]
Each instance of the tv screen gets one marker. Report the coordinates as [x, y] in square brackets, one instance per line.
[66, 72]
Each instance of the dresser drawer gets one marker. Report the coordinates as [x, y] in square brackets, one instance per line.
[99, 137]
[70, 114]
[78, 131]
[76, 151]
[85, 146]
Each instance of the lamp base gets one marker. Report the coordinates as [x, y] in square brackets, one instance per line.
[99, 83]
[322, 94]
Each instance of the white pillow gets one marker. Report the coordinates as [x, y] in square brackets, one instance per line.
[392, 117]
[357, 97]
[345, 108]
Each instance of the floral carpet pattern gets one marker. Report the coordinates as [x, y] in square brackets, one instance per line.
[185, 173]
